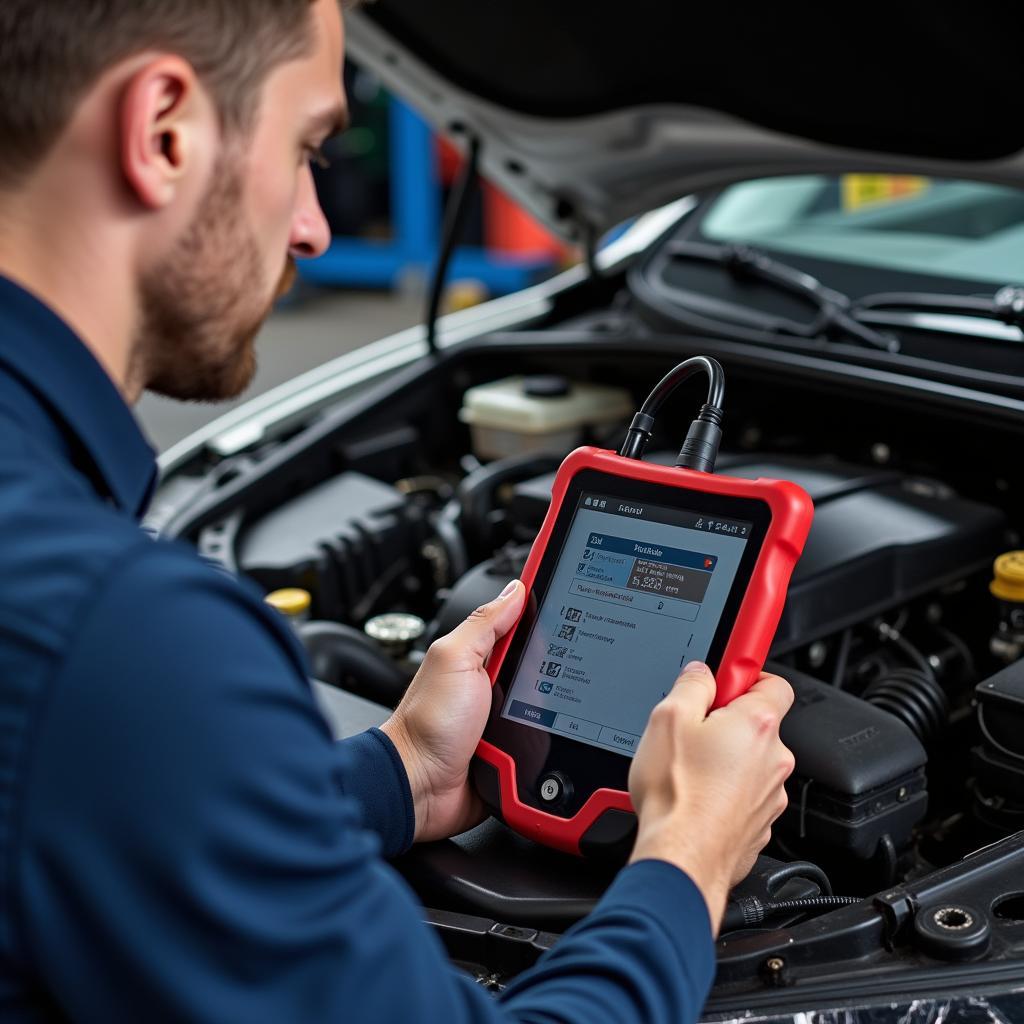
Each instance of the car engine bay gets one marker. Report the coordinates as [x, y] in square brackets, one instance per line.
[408, 509]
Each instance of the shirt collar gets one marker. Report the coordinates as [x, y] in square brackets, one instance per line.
[56, 365]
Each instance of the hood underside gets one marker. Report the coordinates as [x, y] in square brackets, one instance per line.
[590, 113]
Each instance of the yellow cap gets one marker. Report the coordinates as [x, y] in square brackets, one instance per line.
[290, 601]
[1008, 584]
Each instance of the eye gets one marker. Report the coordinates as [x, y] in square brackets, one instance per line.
[316, 156]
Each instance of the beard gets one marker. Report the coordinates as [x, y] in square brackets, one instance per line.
[204, 304]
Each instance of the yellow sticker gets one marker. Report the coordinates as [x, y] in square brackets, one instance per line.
[860, 190]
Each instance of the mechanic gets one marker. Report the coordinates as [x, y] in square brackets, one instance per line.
[180, 838]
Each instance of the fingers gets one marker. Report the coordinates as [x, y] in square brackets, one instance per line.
[765, 704]
[776, 691]
[478, 634]
[695, 690]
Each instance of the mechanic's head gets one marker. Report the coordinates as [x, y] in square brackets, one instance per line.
[154, 159]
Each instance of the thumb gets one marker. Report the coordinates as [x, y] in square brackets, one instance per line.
[491, 621]
[695, 689]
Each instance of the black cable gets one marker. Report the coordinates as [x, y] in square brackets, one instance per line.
[454, 219]
[798, 869]
[748, 911]
[811, 903]
[700, 449]
[896, 638]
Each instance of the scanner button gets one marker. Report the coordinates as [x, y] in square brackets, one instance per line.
[553, 788]
[550, 790]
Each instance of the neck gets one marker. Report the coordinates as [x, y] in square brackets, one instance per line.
[76, 267]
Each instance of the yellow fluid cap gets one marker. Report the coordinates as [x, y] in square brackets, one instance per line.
[1008, 584]
[290, 601]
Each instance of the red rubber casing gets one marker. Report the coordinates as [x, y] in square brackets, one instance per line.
[747, 648]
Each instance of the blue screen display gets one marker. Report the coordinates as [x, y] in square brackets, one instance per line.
[638, 591]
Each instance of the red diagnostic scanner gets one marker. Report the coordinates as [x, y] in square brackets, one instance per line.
[638, 569]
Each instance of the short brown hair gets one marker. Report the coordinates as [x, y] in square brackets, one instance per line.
[52, 51]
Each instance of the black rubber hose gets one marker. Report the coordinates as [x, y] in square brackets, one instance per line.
[475, 494]
[454, 219]
[347, 659]
[915, 698]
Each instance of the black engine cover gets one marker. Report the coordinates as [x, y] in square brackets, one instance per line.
[859, 770]
[879, 539]
[346, 541]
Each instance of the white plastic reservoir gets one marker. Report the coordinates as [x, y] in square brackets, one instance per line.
[522, 415]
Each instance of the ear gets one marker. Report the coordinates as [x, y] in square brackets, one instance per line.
[161, 116]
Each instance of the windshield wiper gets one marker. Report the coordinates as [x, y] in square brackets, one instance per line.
[1006, 306]
[834, 314]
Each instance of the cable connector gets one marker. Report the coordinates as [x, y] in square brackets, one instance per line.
[700, 449]
[638, 436]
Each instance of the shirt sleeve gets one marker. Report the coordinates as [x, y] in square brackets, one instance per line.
[186, 853]
[378, 777]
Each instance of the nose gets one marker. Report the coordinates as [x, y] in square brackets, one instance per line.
[311, 234]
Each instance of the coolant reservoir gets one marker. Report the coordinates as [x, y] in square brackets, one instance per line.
[1007, 587]
[523, 415]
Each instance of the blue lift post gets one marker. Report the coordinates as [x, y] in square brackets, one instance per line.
[416, 205]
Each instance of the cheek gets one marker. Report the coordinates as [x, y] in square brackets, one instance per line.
[272, 199]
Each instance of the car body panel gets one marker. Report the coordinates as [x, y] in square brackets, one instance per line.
[616, 156]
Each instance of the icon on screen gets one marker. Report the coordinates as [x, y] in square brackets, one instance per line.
[708, 562]
[588, 501]
[699, 524]
[544, 686]
[601, 504]
[566, 632]
[588, 554]
[557, 651]
[661, 604]
[573, 615]
[551, 669]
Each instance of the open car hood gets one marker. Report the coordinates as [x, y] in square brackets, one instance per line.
[589, 113]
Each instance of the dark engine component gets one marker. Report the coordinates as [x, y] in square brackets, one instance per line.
[859, 782]
[999, 760]
[915, 698]
[492, 871]
[349, 542]
[879, 539]
[481, 584]
[348, 659]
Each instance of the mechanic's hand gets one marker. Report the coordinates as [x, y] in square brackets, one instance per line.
[707, 787]
[443, 714]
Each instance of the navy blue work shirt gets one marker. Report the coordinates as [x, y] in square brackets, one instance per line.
[180, 837]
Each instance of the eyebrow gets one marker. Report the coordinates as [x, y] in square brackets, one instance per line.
[333, 121]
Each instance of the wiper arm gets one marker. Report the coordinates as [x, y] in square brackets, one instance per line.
[1006, 306]
[834, 308]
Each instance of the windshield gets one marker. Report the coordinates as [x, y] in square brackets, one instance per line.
[948, 228]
